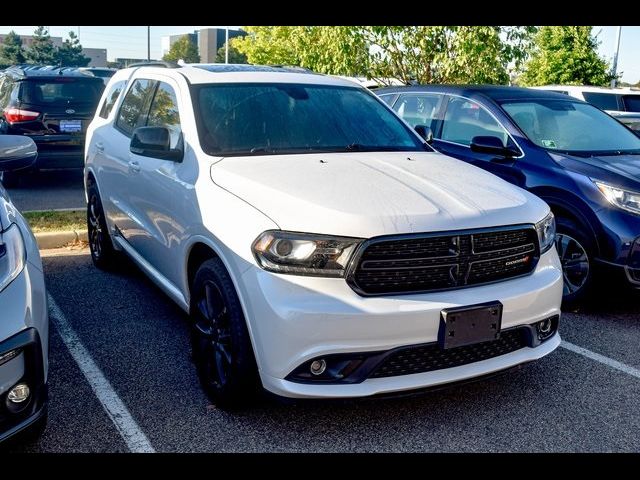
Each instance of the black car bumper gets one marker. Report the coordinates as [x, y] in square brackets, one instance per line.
[11, 423]
[61, 158]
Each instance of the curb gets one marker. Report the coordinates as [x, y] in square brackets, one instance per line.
[47, 240]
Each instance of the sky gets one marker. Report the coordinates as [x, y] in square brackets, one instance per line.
[131, 42]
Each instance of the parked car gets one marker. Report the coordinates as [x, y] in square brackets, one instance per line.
[24, 318]
[578, 159]
[320, 246]
[53, 107]
[621, 103]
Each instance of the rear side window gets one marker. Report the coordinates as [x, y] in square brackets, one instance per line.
[112, 98]
[604, 101]
[133, 105]
[631, 103]
[164, 112]
[62, 91]
[418, 109]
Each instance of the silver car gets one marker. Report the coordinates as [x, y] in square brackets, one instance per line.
[24, 320]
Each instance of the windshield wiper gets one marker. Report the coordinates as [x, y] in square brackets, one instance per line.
[262, 150]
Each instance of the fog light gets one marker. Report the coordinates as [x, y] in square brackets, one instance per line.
[19, 394]
[547, 327]
[5, 357]
[318, 367]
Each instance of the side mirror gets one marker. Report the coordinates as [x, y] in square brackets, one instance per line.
[425, 132]
[17, 152]
[492, 145]
[155, 142]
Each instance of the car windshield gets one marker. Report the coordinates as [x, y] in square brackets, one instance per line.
[264, 118]
[62, 91]
[571, 127]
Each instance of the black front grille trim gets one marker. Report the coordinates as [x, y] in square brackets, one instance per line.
[391, 250]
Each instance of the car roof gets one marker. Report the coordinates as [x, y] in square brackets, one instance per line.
[497, 93]
[38, 71]
[202, 73]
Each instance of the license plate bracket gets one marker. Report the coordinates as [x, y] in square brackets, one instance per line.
[471, 324]
[71, 126]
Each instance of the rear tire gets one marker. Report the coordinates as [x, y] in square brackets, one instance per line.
[576, 249]
[103, 255]
[221, 345]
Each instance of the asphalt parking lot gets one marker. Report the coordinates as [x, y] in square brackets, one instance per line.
[138, 342]
[49, 190]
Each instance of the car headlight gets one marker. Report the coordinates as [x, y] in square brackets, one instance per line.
[304, 253]
[624, 199]
[546, 229]
[12, 255]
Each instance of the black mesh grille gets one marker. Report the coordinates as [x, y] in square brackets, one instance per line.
[427, 358]
[421, 264]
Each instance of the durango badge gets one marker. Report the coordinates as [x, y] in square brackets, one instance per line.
[519, 260]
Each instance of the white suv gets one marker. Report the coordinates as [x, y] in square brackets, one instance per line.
[320, 246]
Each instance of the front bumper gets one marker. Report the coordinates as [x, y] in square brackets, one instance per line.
[26, 367]
[293, 319]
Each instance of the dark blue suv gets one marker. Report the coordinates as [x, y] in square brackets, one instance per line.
[581, 161]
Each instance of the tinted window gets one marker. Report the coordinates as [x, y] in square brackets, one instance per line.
[465, 119]
[388, 99]
[604, 101]
[283, 118]
[62, 91]
[570, 126]
[164, 112]
[112, 98]
[133, 105]
[5, 90]
[417, 109]
[631, 103]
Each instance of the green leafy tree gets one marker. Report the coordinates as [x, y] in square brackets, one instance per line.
[11, 51]
[235, 56]
[426, 54]
[70, 53]
[183, 49]
[566, 55]
[42, 51]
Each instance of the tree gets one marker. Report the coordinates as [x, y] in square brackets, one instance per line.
[42, 50]
[11, 51]
[566, 55]
[426, 54]
[183, 49]
[70, 53]
[235, 56]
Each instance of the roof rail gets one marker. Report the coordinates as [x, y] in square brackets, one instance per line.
[155, 63]
[17, 69]
[293, 67]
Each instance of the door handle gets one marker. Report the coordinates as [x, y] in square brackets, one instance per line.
[100, 147]
[134, 166]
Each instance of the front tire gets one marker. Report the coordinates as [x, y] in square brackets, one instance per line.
[576, 250]
[103, 255]
[221, 345]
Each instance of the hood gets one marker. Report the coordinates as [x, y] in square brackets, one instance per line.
[367, 194]
[618, 170]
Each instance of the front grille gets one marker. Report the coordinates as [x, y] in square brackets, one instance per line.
[427, 358]
[423, 263]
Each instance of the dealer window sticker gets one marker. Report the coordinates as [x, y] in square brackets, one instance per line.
[548, 143]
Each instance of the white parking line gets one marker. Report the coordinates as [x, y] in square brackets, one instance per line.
[634, 372]
[131, 433]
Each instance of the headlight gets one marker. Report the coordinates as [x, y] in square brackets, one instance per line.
[546, 232]
[304, 253]
[12, 255]
[624, 199]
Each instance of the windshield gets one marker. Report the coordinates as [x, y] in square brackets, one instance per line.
[572, 127]
[245, 119]
[62, 91]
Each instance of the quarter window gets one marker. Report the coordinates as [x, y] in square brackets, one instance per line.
[111, 99]
[133, 105]
[417, 109]
[164, 112]
[465, 119]
[604, 101]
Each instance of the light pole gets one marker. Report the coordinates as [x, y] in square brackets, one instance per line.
[148, 44]
[226, 45]
[614, 67]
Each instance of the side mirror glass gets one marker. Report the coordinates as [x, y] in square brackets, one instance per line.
[155, 142]
[425, 132]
